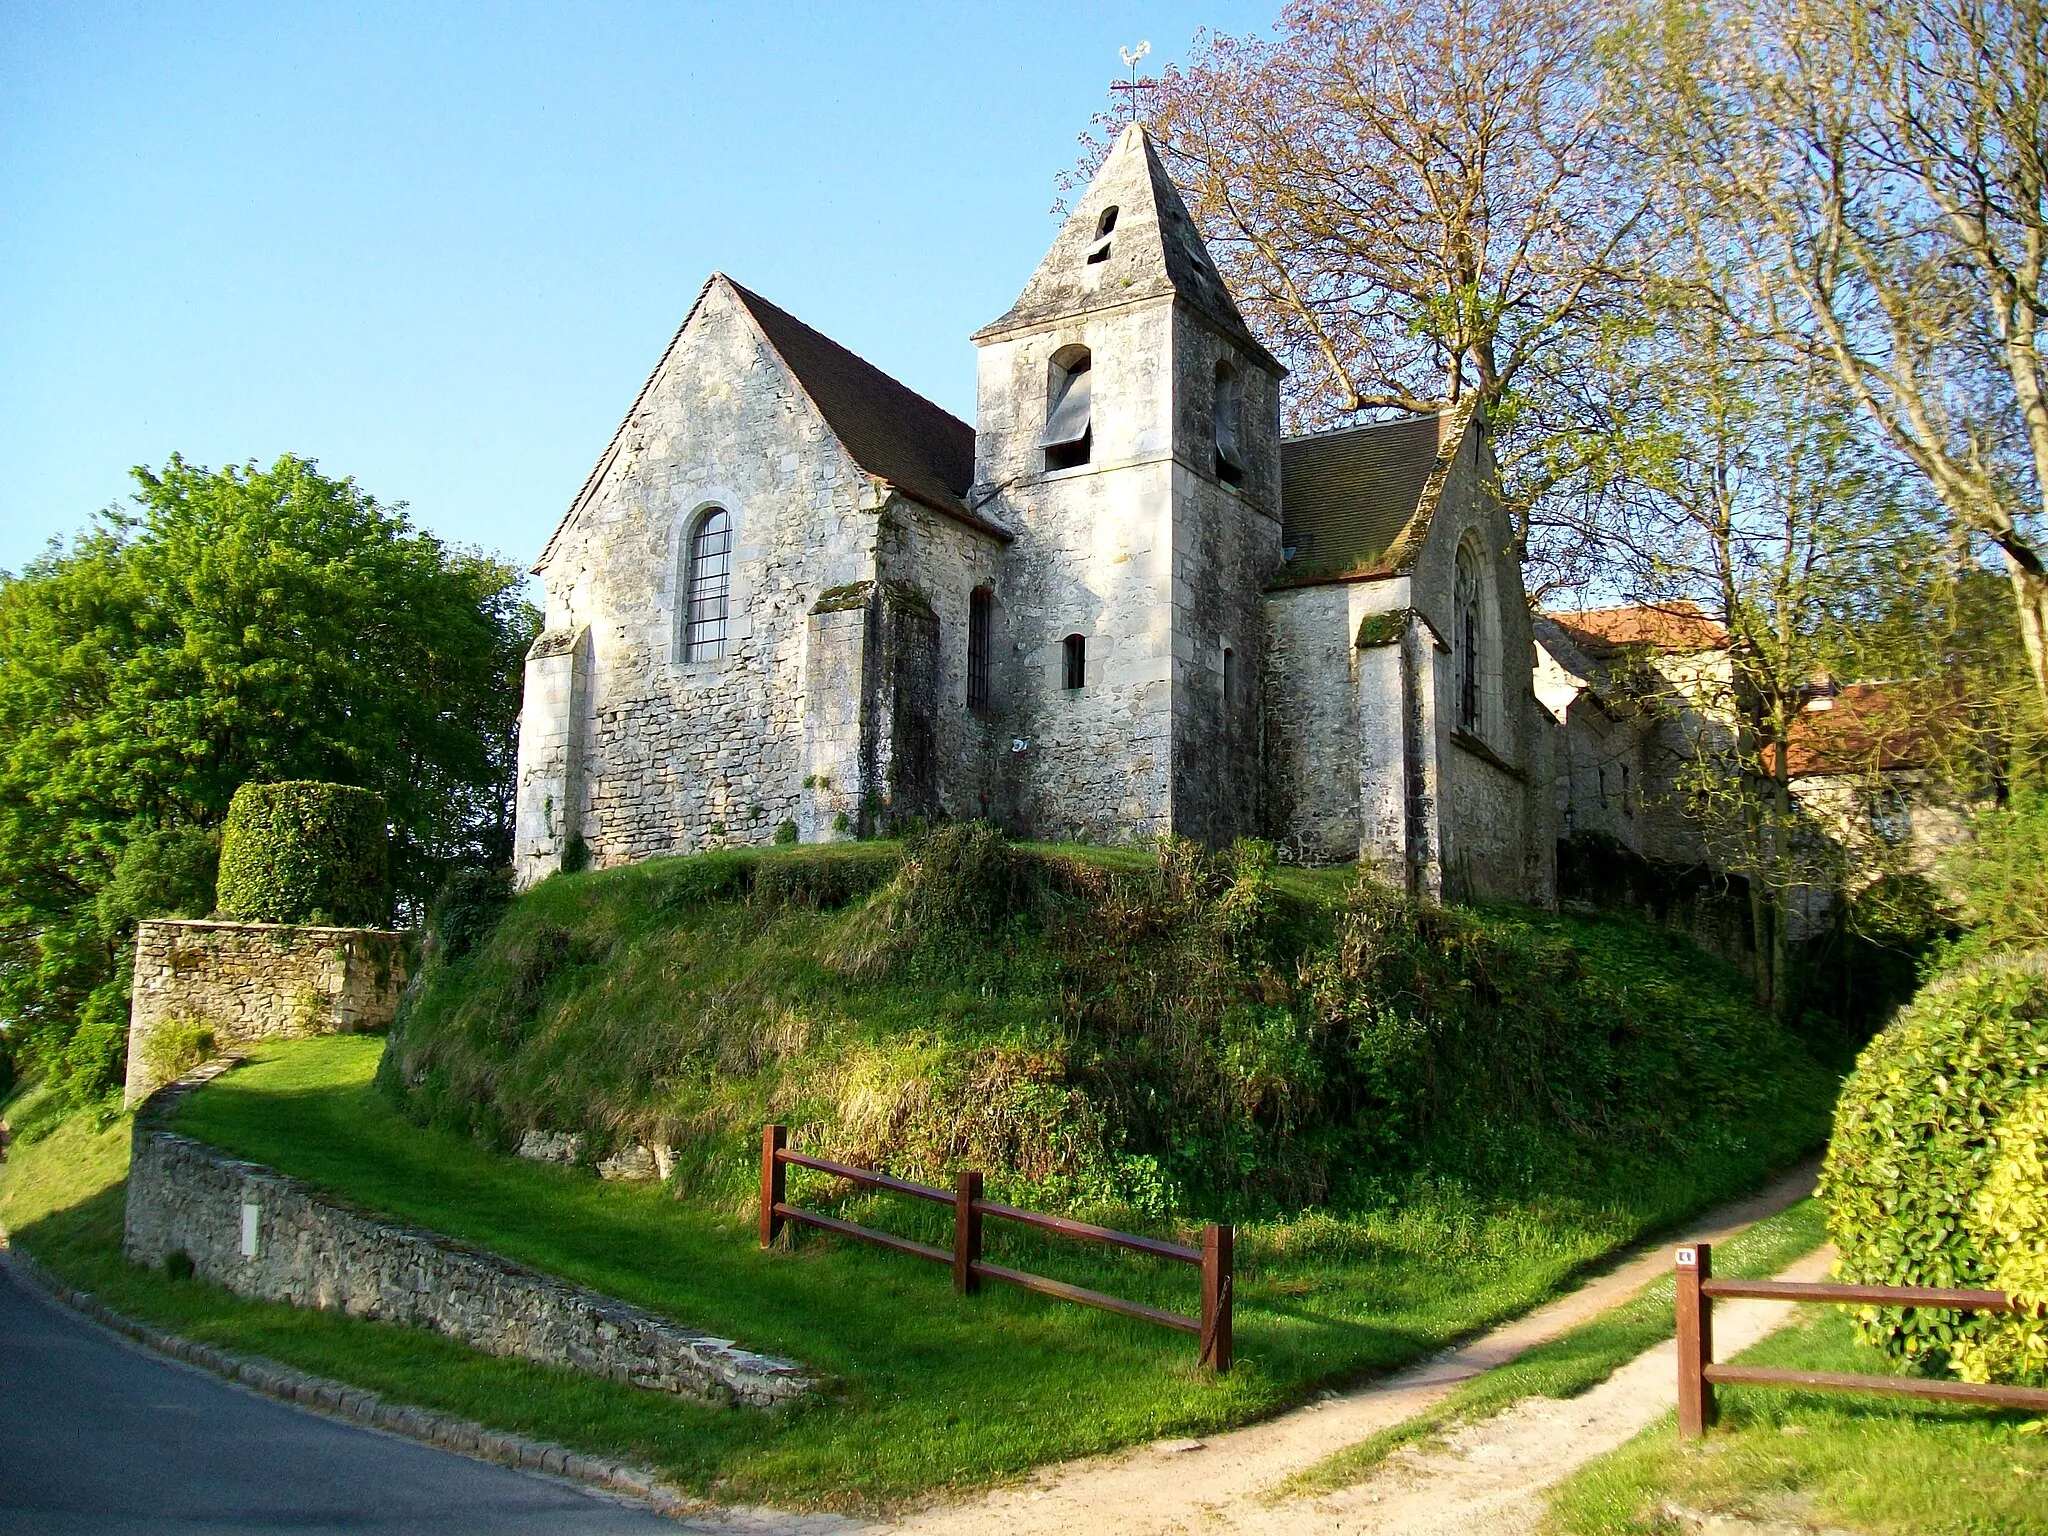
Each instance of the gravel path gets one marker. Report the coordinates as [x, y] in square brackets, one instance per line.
[1221, 1484]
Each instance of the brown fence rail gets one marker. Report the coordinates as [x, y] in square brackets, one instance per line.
[1698, 1374]
[1212, 1329]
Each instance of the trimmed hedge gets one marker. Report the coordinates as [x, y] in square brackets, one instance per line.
[305, 852]
[2010, 1223]
[1916, 1139]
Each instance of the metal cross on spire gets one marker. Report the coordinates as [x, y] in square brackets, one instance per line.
[1135, 84]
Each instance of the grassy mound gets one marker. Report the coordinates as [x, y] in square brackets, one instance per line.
[1152, 1036]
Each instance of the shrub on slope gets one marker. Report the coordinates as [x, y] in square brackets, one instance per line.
[1103, 1028]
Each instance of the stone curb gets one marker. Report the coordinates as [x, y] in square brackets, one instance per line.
[340, 1400]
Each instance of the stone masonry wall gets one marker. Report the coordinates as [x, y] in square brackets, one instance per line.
[1093, 557]
[254, 981]
[264, 1235]
[681, 756]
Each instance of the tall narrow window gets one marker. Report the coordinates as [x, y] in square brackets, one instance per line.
[1465, 641]
[980, 614]
[1069, 429]
[1099, 251]
[1225, 412]
[707, 586]
[1077, 661]
[1229, 676]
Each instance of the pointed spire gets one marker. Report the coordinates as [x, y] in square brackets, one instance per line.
[1150, 248]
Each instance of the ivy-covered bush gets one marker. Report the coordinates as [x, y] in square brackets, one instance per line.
[2010, 1224]
[305, 852]
[466, 909]
[170, 872]
[1916, 1139]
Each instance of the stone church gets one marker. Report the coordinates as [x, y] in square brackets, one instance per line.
[796, 598]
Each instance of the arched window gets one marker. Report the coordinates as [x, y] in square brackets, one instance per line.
[1224, 414]
[1099, 251]
[1069, 427]
[707, 584]
[981, 604]
[1077, 661]
[1467, 629]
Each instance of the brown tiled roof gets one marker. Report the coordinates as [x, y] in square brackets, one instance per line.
[1345, 496]
[889, 430]
[1865, 726]
[892, 432]
[1677, 627]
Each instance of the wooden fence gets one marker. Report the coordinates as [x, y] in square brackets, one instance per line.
[1698, 1375]
[1212, 1329]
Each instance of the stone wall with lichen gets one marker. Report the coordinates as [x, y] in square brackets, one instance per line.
[262, 1234]
[201, 987]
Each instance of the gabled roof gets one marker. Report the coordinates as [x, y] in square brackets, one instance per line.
[1154, 250]
[1674, 628]
[890, 430]
[1357, 502]
[920, 449]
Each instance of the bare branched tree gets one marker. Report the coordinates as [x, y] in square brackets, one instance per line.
[1756, 495]
[1883, 172]
[1415, 202]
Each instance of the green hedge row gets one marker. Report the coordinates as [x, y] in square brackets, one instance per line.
[306, 852]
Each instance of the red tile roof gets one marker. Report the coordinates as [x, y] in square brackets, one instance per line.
[1678, 627]
[1864, 726]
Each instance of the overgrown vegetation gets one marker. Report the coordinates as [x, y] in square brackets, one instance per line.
[211, 634]
[1161, 1034]
[1163, 1038]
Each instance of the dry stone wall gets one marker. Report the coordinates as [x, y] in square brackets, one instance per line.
[243, 982]
[262, 1234]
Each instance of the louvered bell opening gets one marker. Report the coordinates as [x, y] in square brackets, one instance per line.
[1229, 451]
[1067, 427]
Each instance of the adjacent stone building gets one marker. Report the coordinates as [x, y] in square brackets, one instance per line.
[795, 598]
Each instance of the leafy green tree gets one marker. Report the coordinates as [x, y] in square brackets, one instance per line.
[231, 625]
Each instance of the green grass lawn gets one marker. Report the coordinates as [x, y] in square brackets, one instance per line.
[1579, 1360]
[1863, 1463]
[930, 1391]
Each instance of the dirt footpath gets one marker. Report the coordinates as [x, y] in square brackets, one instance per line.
[1221, 1484]
[1488, 1477]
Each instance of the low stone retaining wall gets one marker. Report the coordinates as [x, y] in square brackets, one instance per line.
[262, 1234]
[242, 982]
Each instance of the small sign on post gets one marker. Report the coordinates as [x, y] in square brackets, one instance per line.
[1695, 1314]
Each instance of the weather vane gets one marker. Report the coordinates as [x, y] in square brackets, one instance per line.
[1134, 85]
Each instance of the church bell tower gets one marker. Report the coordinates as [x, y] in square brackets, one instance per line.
[1128, 431]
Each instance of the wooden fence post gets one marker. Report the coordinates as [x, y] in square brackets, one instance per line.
[1217, 1245]
[1695, 1314]
[773, 1174]
[966, 1231]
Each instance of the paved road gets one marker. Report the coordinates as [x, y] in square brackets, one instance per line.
[98, 1437]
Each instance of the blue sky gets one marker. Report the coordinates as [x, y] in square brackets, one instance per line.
[438, 247]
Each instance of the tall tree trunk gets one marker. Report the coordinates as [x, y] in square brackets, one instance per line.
[2030, 592]
[1763, 936]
